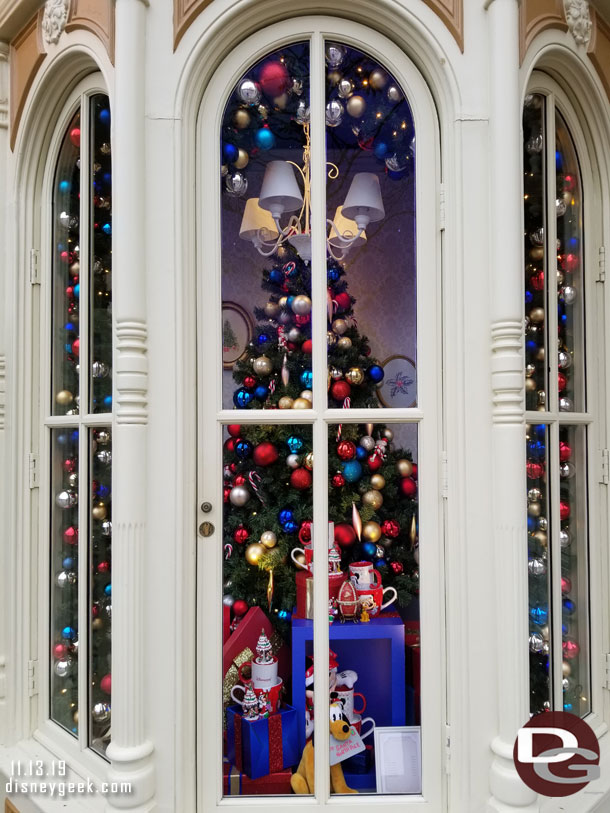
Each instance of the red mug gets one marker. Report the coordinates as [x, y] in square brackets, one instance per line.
[273, 696]
[358, 722]
[371, 598]
[307, 552]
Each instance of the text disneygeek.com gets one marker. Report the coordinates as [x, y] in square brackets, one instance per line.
[62, 788]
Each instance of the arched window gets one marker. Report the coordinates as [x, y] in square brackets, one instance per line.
[563, 364]
[318, 255]
[77, 404]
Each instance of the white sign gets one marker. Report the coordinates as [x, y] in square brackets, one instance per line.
[398, 759]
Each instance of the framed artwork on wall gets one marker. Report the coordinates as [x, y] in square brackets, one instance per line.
[399, 385]
[237, 333]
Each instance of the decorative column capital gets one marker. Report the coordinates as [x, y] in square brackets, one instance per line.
[578, 19]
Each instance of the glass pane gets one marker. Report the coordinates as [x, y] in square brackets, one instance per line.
[101, 258]
[65, 274]
[374, 609]
[534, 186]
[539, 568]
[570, 280]
[267, 549]
[266, 300]
[372, 306]
[64, 578]
[100, 567]
[574, 568]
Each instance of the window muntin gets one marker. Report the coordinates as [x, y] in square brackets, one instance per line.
[79, 428]
[558, 421]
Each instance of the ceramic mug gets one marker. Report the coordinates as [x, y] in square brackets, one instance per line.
[363, 575]
[358, 722]
[307, 553]
[262, 675]
[273, 695]
[374, 596]
[348, 695]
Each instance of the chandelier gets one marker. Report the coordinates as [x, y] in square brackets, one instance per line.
[281, 195]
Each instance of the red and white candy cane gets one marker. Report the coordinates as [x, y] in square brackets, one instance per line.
[346, 405]
[228, 550]
[254, 479]
[379, 452]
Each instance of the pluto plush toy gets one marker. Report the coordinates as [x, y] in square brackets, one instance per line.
[303, 781]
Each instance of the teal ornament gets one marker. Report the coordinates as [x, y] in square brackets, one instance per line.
[295, 444]
[307, 379]
[352, 471]
[264, 139]
[368, 550]
[242, 397]
[539, 614]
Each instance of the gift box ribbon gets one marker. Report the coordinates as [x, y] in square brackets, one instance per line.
[275, 745]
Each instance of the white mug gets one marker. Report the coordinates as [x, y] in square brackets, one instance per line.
[262, 675]
[348, 695]
[363, 575]
[358, 722]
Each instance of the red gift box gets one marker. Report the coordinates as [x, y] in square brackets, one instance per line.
[226, 623]
[246, 636]
[237, 784]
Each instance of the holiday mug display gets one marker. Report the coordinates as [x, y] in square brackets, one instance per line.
[358, 723]
[363, 575]
[268, 698]
[263, 668]
[371, 599]
[347, 696]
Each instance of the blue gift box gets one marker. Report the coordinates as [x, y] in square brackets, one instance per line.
[264, 746]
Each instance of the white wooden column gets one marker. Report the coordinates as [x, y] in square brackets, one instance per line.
[130, 750]
[508, 432]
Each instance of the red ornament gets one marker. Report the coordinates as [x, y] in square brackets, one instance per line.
[241, 534]
[565, 451]
[239, 480]
[240, 607]
[59, 651]
[346, 450]
[537, 281]
[305, 532]
[95, 611]
[340, 390]
[233, 467]
[249, 382]
[103, 567]
[265, 454]
[106, 684]
[570, 649]
[70, 465]
[343, 300]
[390, 528]
[566, 584]
[569, 183]
[307, 347]
[76, 346]
[225, 493]
[564, 510]
[94, 486]
[562, 381]
[229, 444]
[396, 567]
[71, 536]
[345, 535]
[570, 262]
[301, 479]
[291, 346]
[414, 472]
[234, 429]
[75, 136]
[408, 486]
[302, 319]
[375, 462]
[274, 78]
[338, 480]
[534, 470]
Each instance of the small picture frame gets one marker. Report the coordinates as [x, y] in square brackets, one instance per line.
[399, 385]
[237, 333]
[398, 759]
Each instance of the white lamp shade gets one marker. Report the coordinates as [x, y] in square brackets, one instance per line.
[363, 202]
[280, 191]
[257, 223]
[348, 229]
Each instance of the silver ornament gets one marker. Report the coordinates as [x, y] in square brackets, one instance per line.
[103, 437]
[228, 600]
[536, 642]
[335, 54]
[559, 276]
[560, 207]
[61, 579]
[100, 713]
[568, 294]
[530, 370]
[248, 92]
[567, 470]
[564, 360]
[537, 237]
[106, 527]
[302, 114]
[335, 372]
[301, 305]
[534, 495]
[416, 554]
[239, 496]
[66, 499]
[285, 318]
[536, 567]
[566, 405]
[99, 369]
[534, 145]
[262, 365]
[294, 334]
[367, 443]
[379, 551]
[63, 668]
[543, 524]
[394, 94]
[345, 87]
[104, 457]
[297, 87]
[73, 480]
[565, 539]
[567, 684]
[396, 162]
[236, 184]
[334, 113]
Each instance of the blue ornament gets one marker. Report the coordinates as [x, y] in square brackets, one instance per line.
[375, 373]
[536, 450]
[77, 290]
[104, 116]
[396, 175]
[290, 527]
[531, 346]
[108, 590]
[380, 563]
[276, 276]
[68, 563]
[103, 491]
[539, 614]
[531, 524]
[558, 160]
[540, 430]
[295, 444]
[569, 608]
[69, 326]
[74, 436]
[333, 275]
[62, 439]
[284, 615]
[529, 297]
[261, 392]
[107, 177]
[264, 138]
[380, 150]
[567, 707]
[263, 338]
[290, 300]
[64, 186]
[107, 228]
[368, 550]
[361, 453]
[307, 379]
[243, 449]
[242, 397]
[230, 152]
[352, 470]
[285, 516]
[68, 347]
[564, 629]
[108, 401]
[69, 633]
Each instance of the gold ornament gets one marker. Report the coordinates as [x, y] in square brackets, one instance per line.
[308, 462]
[241, 119]
[339, 326]
[64, 397]
[272, 309]
[534, 509]
[373, 498]
[537, 315]
[541, 537]
[537, 252]
[283, 302]
[566, 669]
[356, 106]
[413, 532]
[301, 403]
[369, 428]
[388, 435]
[404, 467]
[371, 531]
[254, 553]
[75, 716]
[567, 197]
[262, 365]
[540, 354]
[75, 269]
[378, 481]
[355, 375]
[308, 395]
[268, 539]
[270, 589]
[285, 402]
[242, 159]
[99, 510]
[281, 101]
[331, 338]
[334, 77]
[344, 343]
[530, 384]
[378, 79]
[97, 624]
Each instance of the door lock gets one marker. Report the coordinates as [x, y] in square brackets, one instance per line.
[206, 507]
[206, 529]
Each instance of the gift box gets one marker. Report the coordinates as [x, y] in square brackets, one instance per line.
[265, 746]
[236, 783]
[226, 623]
[304, 585]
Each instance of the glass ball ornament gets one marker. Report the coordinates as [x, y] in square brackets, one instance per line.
[100, 713]
[99, 510]
[568, 606]
[228, 600]
[539, 614]
[375, 373]
[404, 467]
[254, 552]
[394, 94]
[380, 150]
[301, 304]
[397, 163]
[285, 402]
[285, 515]
[536, 566]
[335, 54]
[373, 498]
[571, 648]
[536, 642]
[564, 360]
[295, 444]
[261, 392]
[560, 207]
[264, 139]
[535, 144]
[566, 584]
[371, 531]
[104, 457]
[355, 376]
[568, 294]
[534, 495]
[334, 113]
[64, 397]
[378, 481]
[242, 160]
[344, 343]
[566, 405]
[99, 369]
[543, 524]
[565, 540]
[293, 461]
[63, 668]
[369, 550]
[242, 397]
[243, 449]
[308, 395]
[331, 339]
[356, 106]
[567, 470]
[248, 92]
[367, 443]
[303, 113]
[65, 578]
[236, 184]
[262, 365]
[268, 539]
[345, 87]
[306, 379]
[239, 496]
[66, 499]
[69, 633]
[352, 471]
[73, 480]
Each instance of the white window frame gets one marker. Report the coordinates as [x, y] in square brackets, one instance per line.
[428, 414]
